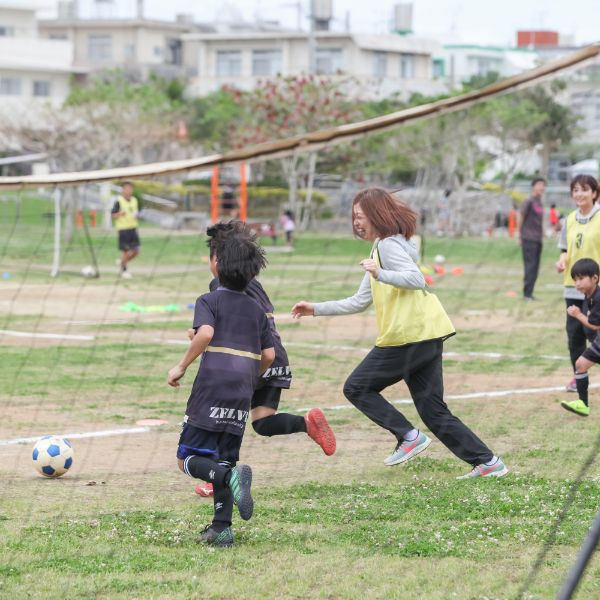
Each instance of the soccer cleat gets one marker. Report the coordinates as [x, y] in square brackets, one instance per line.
[223, 539]
[205, 490]
[406, 450]
[319, 430]
[239, 484]
[126, 275]
[576, 406]
[498, 469]
[571, 386]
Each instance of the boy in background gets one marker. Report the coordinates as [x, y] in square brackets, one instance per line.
[266, 421]
[585, 273]
[233, 336]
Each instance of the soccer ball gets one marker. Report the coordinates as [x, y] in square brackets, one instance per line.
[440, 259]
[89, 271]
[52, 456]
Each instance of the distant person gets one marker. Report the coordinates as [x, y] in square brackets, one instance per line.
[554, 219]
[512, 221]
[288, 225]
[579, 238]
[229, 205]
[443, 213]
[233, 335]
[585, 273]
[125, 213]
[532, 234]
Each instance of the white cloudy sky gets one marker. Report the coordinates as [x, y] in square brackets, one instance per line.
[474, 21]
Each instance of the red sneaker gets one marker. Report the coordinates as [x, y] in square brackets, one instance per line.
[204, 489]
[319, 430]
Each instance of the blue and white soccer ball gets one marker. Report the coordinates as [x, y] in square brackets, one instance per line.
[52, 456]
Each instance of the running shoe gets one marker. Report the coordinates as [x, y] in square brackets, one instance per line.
[576, 406]
[498, 469]
[319, 430]
[239, 484]
[406, 450]
[205, 490]
[222, 539]
[571, 386]
[126, 275]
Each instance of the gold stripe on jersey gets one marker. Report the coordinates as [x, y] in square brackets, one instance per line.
[269, 315]
[224, 350]
[583, 241]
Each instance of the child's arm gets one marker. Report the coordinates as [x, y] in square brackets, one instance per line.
[196, 348]
[576, 313]
[267, 356]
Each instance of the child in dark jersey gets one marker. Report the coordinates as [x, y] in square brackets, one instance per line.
[585, 273]
[265, 400]
[234, 338]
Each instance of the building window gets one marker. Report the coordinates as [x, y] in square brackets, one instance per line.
[407, 66]
[7, 31]
[379, 64]
[10, 86]
[266, 63]
[158, 51]
[439, 67]
[129, 51]
[174, 52]
[99, 46]
[229, 63]
[328, 61]
[41, 88]
[58, 36]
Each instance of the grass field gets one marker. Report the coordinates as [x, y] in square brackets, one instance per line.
[123, 522]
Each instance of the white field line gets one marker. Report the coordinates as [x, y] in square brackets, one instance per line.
[74, 436]
[326, 347]
[471, 396]
[47, 336]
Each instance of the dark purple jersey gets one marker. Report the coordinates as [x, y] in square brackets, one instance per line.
[279, 373]
[229, 368]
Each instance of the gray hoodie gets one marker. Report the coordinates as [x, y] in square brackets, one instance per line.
[398, 258]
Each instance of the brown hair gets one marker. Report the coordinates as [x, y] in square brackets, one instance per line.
[387, 215]
[586, 181]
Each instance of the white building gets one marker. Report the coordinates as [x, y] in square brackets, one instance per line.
[381, 64]
[31, 69]
[138, 46]
[458, 63]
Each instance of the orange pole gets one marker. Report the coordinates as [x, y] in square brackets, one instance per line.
[512, 223]
[243, 193]
[214, 195]
[79, 219]
[93, 218]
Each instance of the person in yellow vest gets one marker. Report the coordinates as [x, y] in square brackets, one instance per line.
[125, 213]
[412, 326]
[579, 238]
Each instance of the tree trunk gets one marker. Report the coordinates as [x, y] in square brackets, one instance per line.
[307, 212]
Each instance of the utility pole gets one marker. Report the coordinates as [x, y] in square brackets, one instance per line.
[312, 42]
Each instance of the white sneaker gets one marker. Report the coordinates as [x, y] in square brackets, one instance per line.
[126, 275]
[406, 450]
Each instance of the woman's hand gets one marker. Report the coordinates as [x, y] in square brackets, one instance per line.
[303, 309]
[370, 266]
[561, 263]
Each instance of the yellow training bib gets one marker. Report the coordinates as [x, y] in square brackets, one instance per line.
[583, 241]
[130, 208]
[407, 316]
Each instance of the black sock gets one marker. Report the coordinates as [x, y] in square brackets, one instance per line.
[207, 469]
[223, 503]
[279, 424]
[583, 381]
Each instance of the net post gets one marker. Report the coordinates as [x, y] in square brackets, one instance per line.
[56, 257]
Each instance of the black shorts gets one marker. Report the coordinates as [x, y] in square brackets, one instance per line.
[592, 353]
[128, 239]
[218, 445]
[266, 396]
